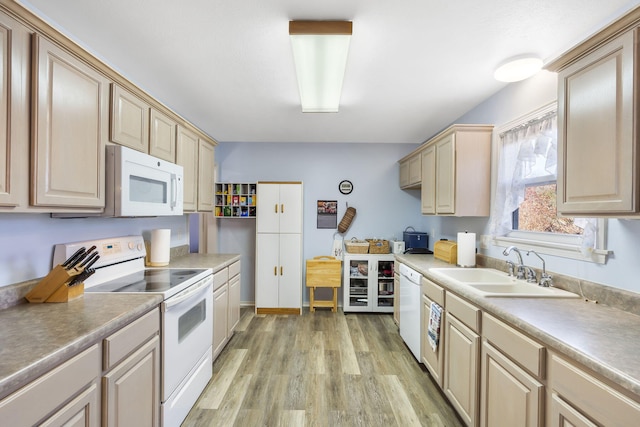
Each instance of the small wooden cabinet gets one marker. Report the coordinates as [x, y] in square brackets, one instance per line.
[70, 116]
[411, 171]
[456, 172]
[597, 126]
[236, 200]
[369, 283]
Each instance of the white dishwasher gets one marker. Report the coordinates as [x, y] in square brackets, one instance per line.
[410, 308]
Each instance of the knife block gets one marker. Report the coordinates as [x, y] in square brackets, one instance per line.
[53, 287]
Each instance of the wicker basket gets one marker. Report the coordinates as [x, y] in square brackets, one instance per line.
[355, 246]
[378, 246]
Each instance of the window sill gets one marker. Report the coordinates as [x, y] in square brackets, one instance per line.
[565, 250]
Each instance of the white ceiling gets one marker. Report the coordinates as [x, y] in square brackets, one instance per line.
[414, 65]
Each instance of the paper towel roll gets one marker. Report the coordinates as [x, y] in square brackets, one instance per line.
[467, 249]
[160, 247]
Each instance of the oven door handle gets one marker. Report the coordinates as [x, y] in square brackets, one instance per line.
[188, 293]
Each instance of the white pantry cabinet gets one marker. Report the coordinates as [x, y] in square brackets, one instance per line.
[456, 172]
[279, 248]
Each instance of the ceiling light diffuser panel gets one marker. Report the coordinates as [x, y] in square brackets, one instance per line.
[320, 50]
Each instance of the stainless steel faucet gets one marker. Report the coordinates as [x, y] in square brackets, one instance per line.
[520, 271]
[545, 279]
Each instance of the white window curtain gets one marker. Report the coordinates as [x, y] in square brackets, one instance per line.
[528, 154]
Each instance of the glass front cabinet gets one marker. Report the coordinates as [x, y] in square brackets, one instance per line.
[368, 283]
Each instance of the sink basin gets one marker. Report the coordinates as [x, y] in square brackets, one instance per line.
[489, 282]
[523, 289]
[474, 275]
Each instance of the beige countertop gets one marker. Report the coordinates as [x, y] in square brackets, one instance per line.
[34, 338]
[213, 261]
[603, 338]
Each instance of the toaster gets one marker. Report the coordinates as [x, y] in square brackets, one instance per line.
[397, 246]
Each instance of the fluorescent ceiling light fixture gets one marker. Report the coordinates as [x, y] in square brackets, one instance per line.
[320, 50]
[518, 68]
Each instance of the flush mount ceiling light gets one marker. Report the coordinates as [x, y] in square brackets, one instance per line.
[320, 51]
[518, 68]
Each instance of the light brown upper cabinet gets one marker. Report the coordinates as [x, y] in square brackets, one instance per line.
[162, 139]
[129, 119]
[456, 172]
[206, 177]
[187, 157]
[14, 112]
[70, 129]
[137, 125]
[597, 124]
[411, 171]
[196, 156]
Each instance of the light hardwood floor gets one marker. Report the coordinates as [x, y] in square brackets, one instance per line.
[319, 369]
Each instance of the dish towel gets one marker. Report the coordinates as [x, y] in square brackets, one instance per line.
[434, 325]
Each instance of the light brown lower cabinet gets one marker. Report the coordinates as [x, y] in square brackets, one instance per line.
[509, 395]
[66, 395]
[495, 376]
[226, 305]
[579, 398]
[115, 382]
[432, 359]
[462, 357]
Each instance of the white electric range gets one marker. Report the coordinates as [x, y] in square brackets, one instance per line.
[187, 314]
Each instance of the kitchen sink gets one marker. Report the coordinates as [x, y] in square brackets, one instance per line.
[489, 282]
[474, 275]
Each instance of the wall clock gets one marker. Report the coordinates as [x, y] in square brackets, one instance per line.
[345, 187]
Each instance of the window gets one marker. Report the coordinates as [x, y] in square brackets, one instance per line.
[524, 198]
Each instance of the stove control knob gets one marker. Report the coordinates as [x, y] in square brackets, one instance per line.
[140, 247]
[131, 245]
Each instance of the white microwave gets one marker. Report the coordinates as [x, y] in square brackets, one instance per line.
[138, 184]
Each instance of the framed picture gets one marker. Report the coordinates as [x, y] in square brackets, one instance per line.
[327, 213]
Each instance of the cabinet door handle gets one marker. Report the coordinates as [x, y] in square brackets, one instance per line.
[282, 208]
[281, 270]
[275, 270]
[276, 208]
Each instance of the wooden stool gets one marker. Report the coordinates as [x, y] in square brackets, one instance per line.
[323, 272]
